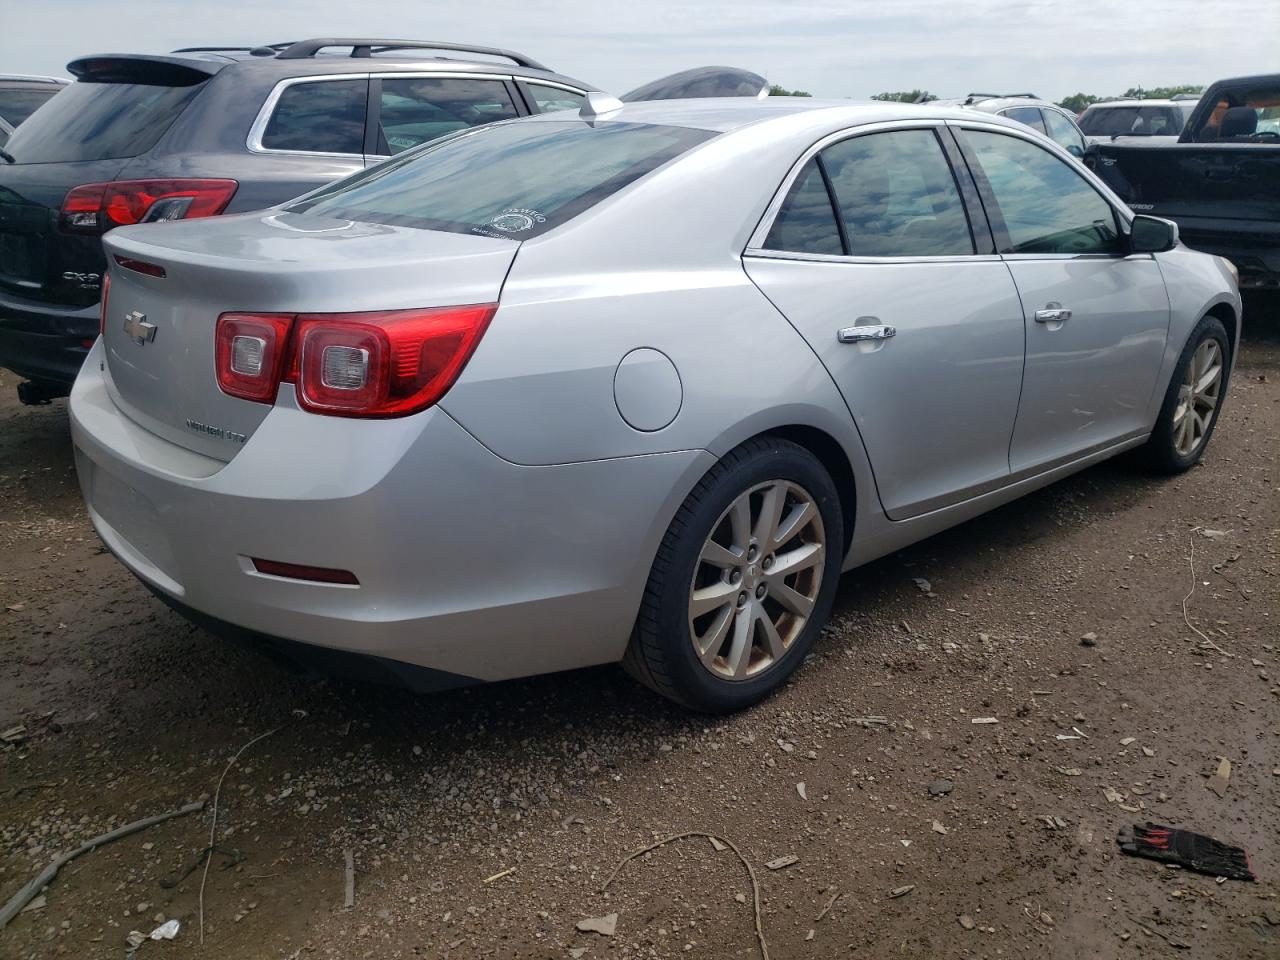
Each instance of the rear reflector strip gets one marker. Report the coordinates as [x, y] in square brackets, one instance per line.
[298, 571]
[140, 266]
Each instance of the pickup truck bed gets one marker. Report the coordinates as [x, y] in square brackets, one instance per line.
[1224, 194]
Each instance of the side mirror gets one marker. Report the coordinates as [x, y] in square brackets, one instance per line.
[1075, 151]
[1152, 235]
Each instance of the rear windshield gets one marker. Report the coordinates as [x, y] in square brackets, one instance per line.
[514, 180]
[1134, 121]
[99, 121]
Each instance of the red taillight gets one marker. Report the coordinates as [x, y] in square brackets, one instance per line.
[97, 207]
[384, 364]
[102, 315]
[250, 352]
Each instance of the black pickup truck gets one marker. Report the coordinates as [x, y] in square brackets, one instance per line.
[1220, 181]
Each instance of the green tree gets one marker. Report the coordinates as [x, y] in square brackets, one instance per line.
[1077, 102]
[907, 96]
[779, 91]
[1163, 93]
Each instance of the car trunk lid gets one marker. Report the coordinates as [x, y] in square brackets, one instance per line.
[159, 330]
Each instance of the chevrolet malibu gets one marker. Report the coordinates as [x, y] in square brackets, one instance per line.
[634, 383]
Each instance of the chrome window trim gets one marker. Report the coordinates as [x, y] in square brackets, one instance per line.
[755, 245]
[259, 127]
[763, 253]
[530, 81]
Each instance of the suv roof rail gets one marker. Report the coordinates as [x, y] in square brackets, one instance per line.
[33, 78]
[367, 47]
[971, 97]
[1020, 96]
[263, 50]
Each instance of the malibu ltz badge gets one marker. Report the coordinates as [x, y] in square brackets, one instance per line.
[139, 329]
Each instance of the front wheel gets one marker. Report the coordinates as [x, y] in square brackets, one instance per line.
[743, 580]
[1193, 401]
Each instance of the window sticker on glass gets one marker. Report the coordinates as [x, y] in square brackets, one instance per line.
[512, 220]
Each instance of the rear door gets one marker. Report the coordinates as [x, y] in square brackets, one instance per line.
[411, 109]
[319, 124]
[1096, 318]
[906, 305]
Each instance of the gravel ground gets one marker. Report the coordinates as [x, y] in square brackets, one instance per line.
[484, 822]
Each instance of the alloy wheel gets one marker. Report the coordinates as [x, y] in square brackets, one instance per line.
[756, 580]
[1197, 398]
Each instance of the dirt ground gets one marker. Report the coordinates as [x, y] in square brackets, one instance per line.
[483, 822]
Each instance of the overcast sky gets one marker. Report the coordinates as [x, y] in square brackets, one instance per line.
[850, 49]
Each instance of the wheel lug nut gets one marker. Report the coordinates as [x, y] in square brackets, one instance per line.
[761, 590]
[768, 561]
[742, 599]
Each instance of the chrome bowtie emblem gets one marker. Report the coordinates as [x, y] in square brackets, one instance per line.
[140, 331]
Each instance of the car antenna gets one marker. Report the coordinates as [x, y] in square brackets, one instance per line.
[598, 104]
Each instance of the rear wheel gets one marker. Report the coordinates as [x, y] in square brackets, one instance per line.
[743, 580]
[1192, 403]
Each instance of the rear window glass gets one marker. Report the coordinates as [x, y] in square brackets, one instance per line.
[514, 180]
[17, 105]
[100, 121]
[1132, 121]
[319, 116]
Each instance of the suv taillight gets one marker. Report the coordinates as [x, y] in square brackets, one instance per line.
[383, 364]
[97, 207]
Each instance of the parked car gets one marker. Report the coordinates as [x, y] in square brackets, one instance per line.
[630, 384]
[20, 96]
[1110, 119]
[1026, 108]
[1220, 181]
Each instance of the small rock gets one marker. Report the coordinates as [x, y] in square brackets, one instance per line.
[940, 788]
[1089, 639]
[605, 926]
[135, 938]
[781, 862]
[966, 921]
[901, 891]
[939, 828]
[740, 897]
[800, 789]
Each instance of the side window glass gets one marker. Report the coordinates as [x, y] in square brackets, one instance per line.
[322, 116]
[17, 105]
[806, 223]
[1063, 132]
[549, 99]
[897, 196]
[1046, 205]
[417, 109]
[1028, 115]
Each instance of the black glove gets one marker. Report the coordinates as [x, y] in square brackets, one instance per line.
[1194, 851]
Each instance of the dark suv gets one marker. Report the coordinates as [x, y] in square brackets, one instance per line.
[207, 131]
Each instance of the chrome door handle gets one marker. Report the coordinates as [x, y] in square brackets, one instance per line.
[1053, 313]
[858, 334]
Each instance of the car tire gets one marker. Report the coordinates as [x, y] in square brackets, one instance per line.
[744, 572]
[1191, 407]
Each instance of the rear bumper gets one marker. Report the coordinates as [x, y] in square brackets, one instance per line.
[467, 563]
[45, 342]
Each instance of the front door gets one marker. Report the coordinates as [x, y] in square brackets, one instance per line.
[922, 334]
[1096, 318]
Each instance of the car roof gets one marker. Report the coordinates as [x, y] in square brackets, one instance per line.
[1141, 102]
[320, 57]
[731, 113]
[990, 103]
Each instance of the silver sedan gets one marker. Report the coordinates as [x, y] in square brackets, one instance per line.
[632, 384]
